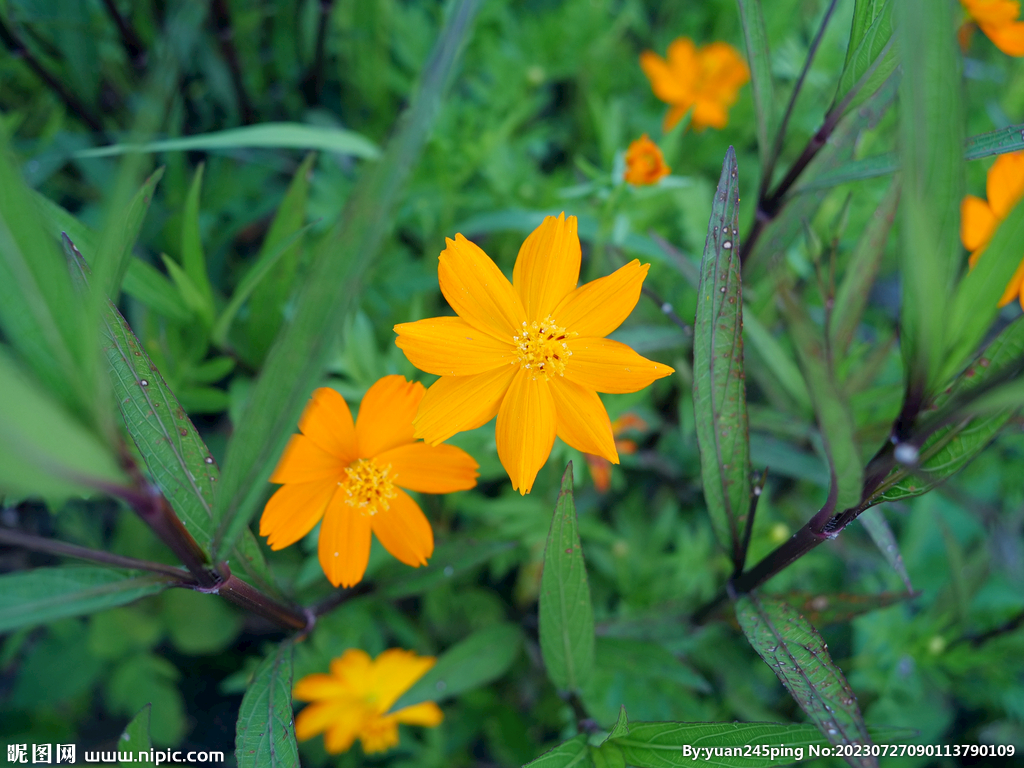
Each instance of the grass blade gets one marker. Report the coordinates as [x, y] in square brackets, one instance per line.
[756, 40]
[870, 34]
[265, 733]
[880, 532]
[192, 257]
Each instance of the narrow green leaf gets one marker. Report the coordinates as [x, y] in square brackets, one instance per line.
[482, 657]
[191, 294]
[449, 560]
[565, 612]
[880, 532]
[146, 284]
[265, 135]
[571, 754]
[135, 737]
[192, 257]
[869, 47]
[719, 393]
[796, 653]
[756, 41]
[300, 354]
[125, 233]
[852, 296]
[621, 727]
[776, 358]
[823, 609]
[265, 734]
[28, 598]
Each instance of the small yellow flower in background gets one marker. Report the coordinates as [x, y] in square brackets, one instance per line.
[601, 468]
[999, 20]
[644, 163]
[707, 78]
[351, 701]
[979, 218]
[531, 352]
[351, 476]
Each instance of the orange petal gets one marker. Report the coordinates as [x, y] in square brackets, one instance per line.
[993, 12]
[430, 468]
[427, 714]
[457, 403]
[343, 731]
[525, 430]
[327, 421]
[709, 113]
[313, 687]
[599, 307]
[386, 414]
[304, 461]
[478, 291]
[449, 346]
[404, 531]
[684, 62]
[318, 717]
[344, 547]
[674, 115]
[600, 471]
[977, 222]
[581, 419]
[293, 510]
[1013, 288]
[1009, 38]
[548, 266]
[1005, 183]
[663, 81]
[609, 366]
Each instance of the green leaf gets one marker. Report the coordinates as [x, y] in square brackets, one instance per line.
[796, 653]
[880, 532]
[146, 284]
[265, 135]
[719, 393]
[869, 55]
[303, 348]
[482, 657]
[135, 738]
[191, 294]
[567, 755]
[852, 296]
[776, 359]
[449, 560]
[28, 598]
[756, 40]
[931, 140]
[265, 735]
[121, 239]
[565, 612]
[192, 257]
[621, 727]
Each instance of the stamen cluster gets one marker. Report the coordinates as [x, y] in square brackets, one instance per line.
[542, 347]
[369, 486]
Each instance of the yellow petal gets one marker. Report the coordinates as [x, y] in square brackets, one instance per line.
[581, 419]
[404, 531]
[609, 366]
[343, 731]
[344, 547]
[304, 461]
[457, 403]
[430, 468]
[1009, 39]
[599, 307]
[395, 671]
[427, 714]
[977, 222]
[1013, 288]
[313, 687]
[1005, 183]
[293, 510]
[386, 413]
[663, 81]
[525, 430]
[449, 346]
[548, 266]
[327, 421]
[318, 717]
[355, 668]
[478, 291]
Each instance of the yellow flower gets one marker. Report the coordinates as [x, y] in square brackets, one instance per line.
[644, 163]
[600, 467]
[979, 218]
[532, 351]
[707, 79]
[352, 476]
[352, 699]
[999, 20]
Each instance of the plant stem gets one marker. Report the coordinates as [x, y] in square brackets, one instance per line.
[314, 81]
[133, 44]
[226, 35]
[244, 595]
[338, 597]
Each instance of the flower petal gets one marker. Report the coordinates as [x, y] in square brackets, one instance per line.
[684, 61]
[304, 461]
[548, 266]
[663, 81]
[293, 510]
[581, 419]
[977, 222]
[674, 115]
[609, 366]
[404, 530]
[1005, 183]
[344, 547]
[708, 113]
[395, 671]
[457, 403]
[318, 686]
[427, 714]
[478, 291]
[327, 421]
[430, 468]
[318, 717]
[449, 346]
[386, 413]
[343, 731]
[525, 430]
[1009, 38]
[1013, 288]
[599, 307]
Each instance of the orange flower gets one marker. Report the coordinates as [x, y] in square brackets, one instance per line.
[352, 700]
[532, 351]
[352, 476]
[979, 218]
[644, 163]
[601, 468]
[1000, 21]
[707, 79]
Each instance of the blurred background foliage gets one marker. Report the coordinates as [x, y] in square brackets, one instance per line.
[548, 97]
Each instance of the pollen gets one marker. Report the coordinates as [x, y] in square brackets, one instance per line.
[542, 347]
[369, 486]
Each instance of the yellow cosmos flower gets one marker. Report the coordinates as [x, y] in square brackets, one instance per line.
[644, 163]
[1000, 21]
[531, 352]
[979, 218]
[351, 476]
[352, 699]
[707, 79]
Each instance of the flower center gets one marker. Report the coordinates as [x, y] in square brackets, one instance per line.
[542, 347]
[369, 486]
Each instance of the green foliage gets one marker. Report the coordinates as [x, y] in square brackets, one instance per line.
[266, 732]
